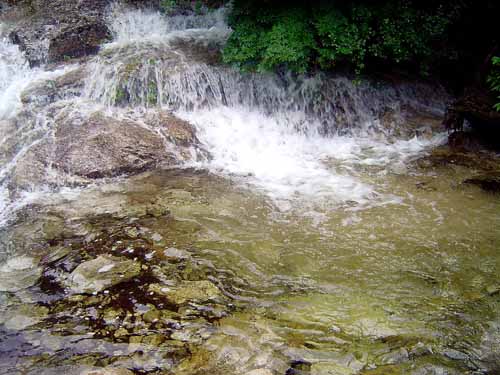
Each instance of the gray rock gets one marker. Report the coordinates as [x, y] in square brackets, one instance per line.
[22, 316]
[489, 348]
[91, 146]
[455, 355]
[103, 272]
[395, 357]
[104, 147]
[420, 349]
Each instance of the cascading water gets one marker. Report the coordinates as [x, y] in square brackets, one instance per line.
[278, 133]
[17, 133]
[291, 137]
[346, 250]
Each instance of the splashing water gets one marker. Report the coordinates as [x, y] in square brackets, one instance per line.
[278, 133]
[340, 244]
[15, 77]
[293, 138]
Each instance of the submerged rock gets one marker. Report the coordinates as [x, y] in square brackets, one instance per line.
[23, 316]
[19, 273]
[490, 182]
[260, 371]
[108, 371]
[103, 272]
[188, 291]
[489, 348]
[173, 254]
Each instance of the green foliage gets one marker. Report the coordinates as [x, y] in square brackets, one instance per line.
[270, 35]
[289, 42]
[168, 6]
[340, 40]
[494, 79]
[197, 6]
[152, 93]
[245, 46]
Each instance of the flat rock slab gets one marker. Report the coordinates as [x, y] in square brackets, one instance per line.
[103, 272]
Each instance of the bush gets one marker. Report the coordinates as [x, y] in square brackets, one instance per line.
[494, 79]
[300, 37]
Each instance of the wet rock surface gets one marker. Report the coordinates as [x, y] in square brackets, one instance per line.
[103, 272]
[104, 147]
[177, 271]
[175, 311]
[19, 273]
[98, 145]
[100, 279]
[489, 183]
[59, 30]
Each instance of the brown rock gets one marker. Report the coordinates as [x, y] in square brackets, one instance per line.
[102, 146]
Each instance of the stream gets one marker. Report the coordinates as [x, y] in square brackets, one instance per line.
[318, 225]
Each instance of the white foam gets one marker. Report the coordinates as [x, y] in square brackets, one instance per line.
[139, 25]
[268, 153]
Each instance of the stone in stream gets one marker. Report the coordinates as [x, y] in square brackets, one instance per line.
[187, 291]
[488, 351]
[395, 357]
[19, 273]
[455, 355]
[260, 371]
[23, 316]
[88, 146]
[108, 371]
[57, 30]
[103, 272]
[173, 254]
[488, 182]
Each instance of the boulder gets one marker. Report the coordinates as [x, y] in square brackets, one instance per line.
[98, 145]
[57, 30]
[77, 41]
[103, 272]
[102, 146]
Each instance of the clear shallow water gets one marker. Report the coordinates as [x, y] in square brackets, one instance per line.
[330, 238]
[346, 291]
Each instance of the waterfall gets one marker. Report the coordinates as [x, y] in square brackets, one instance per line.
[293, 138]
[18, 134]
[280, 133]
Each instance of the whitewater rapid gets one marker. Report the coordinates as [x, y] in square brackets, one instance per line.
[294, 139]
